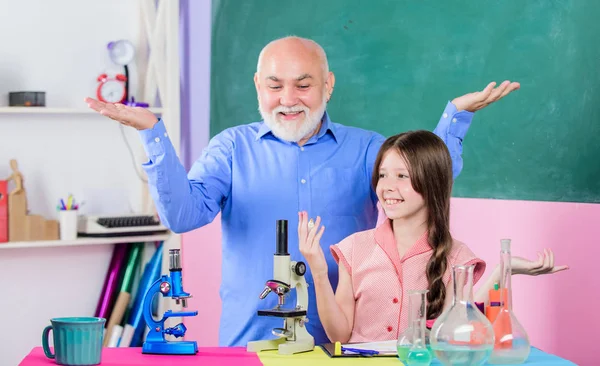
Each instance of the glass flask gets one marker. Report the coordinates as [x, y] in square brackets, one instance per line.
[417, 316]
[511, 346]
[462, 335]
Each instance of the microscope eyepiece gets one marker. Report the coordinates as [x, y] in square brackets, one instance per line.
[282, 238]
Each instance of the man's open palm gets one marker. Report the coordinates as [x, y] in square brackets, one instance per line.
[136, 117]
[478, 100]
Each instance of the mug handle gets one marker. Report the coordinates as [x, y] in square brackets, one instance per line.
[45, 342]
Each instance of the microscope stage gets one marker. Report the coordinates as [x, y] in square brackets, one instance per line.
[282, 313]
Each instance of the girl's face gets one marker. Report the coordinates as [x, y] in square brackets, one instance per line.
[395, 191]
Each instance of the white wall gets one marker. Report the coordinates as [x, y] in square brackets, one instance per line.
[59, 46]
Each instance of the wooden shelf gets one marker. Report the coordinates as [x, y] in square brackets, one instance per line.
[83, 241]
[50, 110]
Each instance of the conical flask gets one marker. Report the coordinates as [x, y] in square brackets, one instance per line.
[417, 316]
[511, 345]
[462, 335]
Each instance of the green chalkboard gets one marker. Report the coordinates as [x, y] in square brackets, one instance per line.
[398, 62]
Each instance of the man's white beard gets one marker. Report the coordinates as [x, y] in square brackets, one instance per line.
[293, 131]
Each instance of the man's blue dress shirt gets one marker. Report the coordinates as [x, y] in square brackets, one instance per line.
[255, 179]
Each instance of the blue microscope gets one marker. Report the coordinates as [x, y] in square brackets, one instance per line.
[170, 286]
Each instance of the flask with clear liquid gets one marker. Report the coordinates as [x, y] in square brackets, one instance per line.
[462, 335]
[511, 345]
[415, 333]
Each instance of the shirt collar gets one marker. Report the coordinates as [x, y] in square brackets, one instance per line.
[326, 125]
[384, 237]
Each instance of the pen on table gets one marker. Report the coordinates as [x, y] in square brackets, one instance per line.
[366, 352]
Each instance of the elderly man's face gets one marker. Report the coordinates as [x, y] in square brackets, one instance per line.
[292, 90]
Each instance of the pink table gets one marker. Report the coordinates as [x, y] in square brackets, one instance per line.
[133, 356]
[238, 356]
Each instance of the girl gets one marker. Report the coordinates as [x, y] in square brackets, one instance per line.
[412, 249]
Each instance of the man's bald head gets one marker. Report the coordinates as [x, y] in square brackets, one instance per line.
[293, 46]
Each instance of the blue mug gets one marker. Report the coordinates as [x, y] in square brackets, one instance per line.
[77, 340]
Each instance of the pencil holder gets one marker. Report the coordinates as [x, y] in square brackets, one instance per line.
[68, 224]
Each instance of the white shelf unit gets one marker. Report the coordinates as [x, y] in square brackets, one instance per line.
[84, 241]
[66, 277]
[52, 110]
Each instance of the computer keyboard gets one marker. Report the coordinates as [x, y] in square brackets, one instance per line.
[128, 221]
[123, 225]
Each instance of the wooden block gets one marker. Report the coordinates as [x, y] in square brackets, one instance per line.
[51, 232]
[35, 225]
[17, 212]
[23, 227]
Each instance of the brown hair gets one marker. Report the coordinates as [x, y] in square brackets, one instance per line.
[430, 170]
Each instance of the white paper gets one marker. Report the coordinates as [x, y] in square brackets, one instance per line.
[383, 347]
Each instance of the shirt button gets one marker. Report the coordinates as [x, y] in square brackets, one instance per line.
[301, 148]
[303, 181]
[453, 120]
[389, 329]
[157, 139]
[395, 300]
[165, 134]
[445, 115]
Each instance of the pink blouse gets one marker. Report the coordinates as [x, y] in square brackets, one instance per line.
[380, 278]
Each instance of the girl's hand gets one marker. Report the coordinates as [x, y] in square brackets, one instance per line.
[543, 265]
[309, 237]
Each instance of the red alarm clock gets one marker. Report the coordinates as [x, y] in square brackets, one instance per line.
[112, 89]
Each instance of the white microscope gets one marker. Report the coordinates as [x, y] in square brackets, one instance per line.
[293, 336]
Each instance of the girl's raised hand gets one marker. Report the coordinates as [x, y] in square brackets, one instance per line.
[309, 240]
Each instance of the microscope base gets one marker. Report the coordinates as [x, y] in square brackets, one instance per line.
[283, 346]
[170, 348]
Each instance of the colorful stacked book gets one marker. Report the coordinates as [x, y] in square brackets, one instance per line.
[132, 270]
